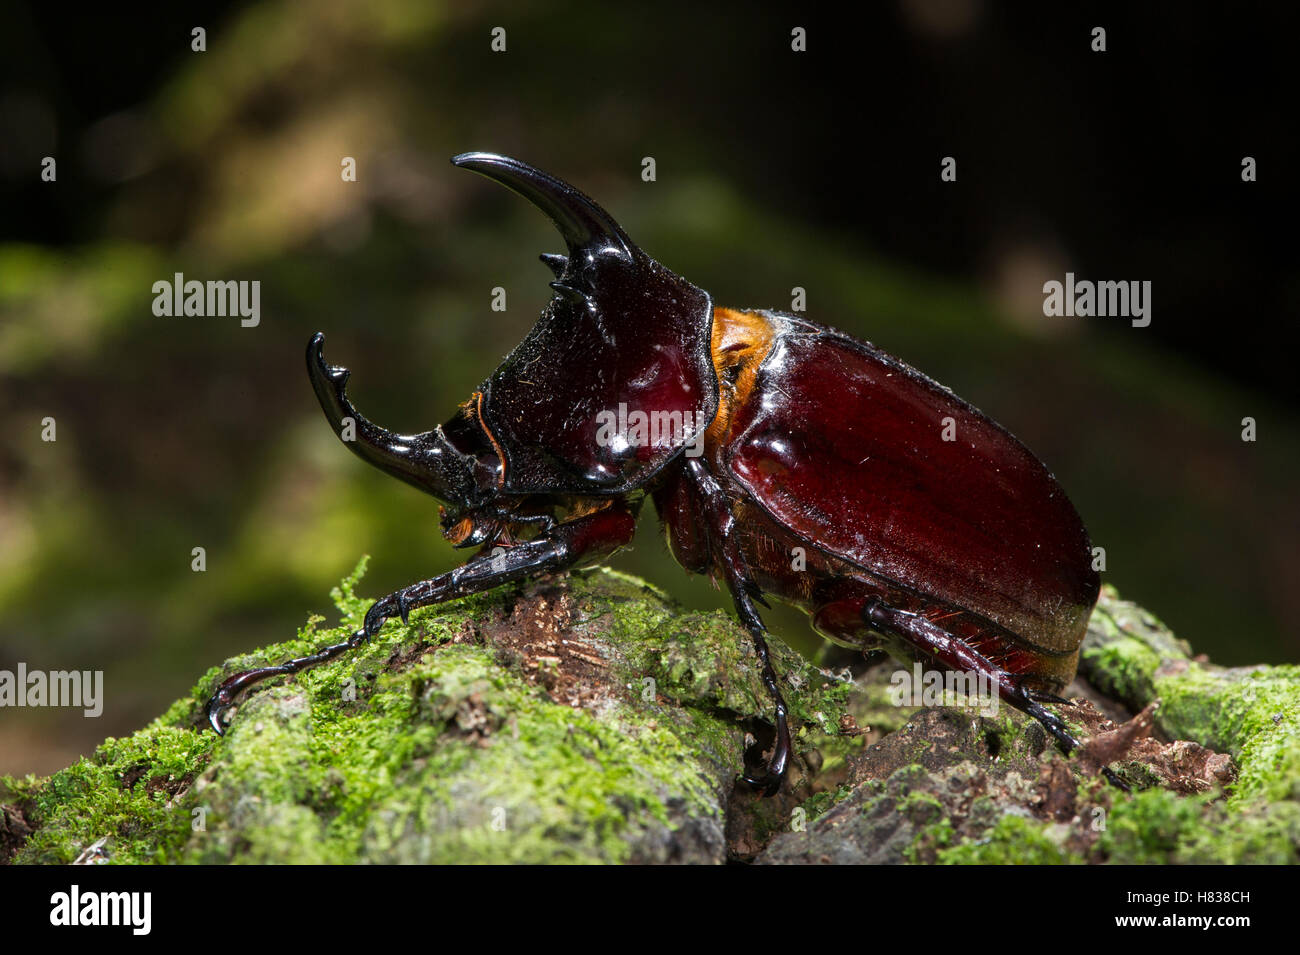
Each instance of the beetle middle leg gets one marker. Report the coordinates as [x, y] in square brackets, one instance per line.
[721, 527]
[923, 633]
[591, 537]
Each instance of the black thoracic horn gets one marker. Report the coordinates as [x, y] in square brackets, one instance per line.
[588, 229]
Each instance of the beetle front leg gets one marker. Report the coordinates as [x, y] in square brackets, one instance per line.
[744, 592]
[588, 538]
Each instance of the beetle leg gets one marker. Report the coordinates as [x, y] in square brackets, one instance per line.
[1065, 739]
[923, 633]
[744, 592]
[585, 539]
[1039, 696]
[770, 781]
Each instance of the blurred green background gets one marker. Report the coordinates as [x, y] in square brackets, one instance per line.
[774, 170]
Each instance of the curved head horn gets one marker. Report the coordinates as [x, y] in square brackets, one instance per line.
[621, 331]
[586, 227]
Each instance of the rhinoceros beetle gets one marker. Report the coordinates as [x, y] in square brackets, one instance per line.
[756, 434]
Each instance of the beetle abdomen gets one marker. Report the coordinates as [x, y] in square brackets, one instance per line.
[872, 462]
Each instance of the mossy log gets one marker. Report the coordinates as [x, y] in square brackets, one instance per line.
[587, 718]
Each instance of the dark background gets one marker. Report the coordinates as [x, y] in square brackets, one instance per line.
[775, 169]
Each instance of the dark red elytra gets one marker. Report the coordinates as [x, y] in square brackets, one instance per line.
[783, 457]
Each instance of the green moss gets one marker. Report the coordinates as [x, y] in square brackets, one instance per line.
[818, 805]
[550, 783]
[1152, 827]
[1125, 666]
[421, 746]
[1014, 840]
[921, 808]
[1253, 713]
[930, 840]
[429, 744]
[123, 791]
[1159, 827]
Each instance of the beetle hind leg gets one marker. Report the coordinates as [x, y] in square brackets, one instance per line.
[926, 635]
[1040, 696]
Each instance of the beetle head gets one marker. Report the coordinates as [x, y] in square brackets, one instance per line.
[622, 335]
